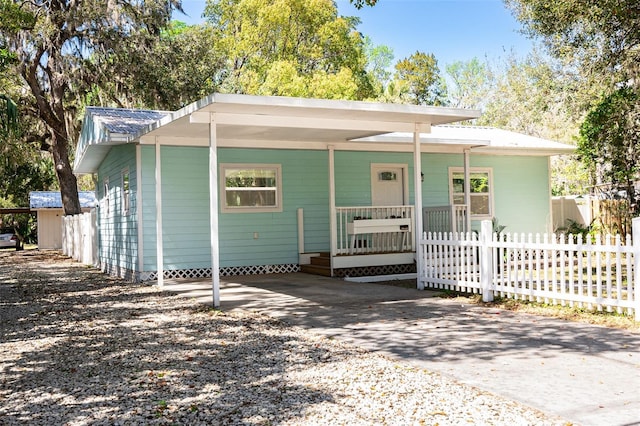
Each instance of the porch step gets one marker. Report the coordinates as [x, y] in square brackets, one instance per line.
[325, 271]
[320, 265]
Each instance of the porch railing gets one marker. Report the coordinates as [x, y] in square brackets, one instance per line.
[452, 218]
[374, 230]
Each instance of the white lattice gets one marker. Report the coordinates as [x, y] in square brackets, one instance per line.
[224, 272]
[367, 271]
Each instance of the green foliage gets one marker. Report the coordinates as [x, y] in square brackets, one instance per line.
[599, 36]
[8, 116]
[379, 60]
[469, 83]
[497, 228]
[287, 48]
[359, 4]
[609, 141]
[63, 51]
[419, 75]
[180, 67]
[587, 231]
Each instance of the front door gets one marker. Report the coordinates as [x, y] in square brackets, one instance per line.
[388, 187]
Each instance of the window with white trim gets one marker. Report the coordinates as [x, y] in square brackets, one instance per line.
[251, 188]
[481, 190]
[125, 191]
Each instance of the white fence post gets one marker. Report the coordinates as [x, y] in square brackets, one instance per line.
[486, 261]
[634, 285]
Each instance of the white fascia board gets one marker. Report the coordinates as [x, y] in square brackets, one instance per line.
[297, 122]
[344, 106]
[527, 152]
[306, 145]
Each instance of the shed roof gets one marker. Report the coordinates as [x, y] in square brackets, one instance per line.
[53, 200]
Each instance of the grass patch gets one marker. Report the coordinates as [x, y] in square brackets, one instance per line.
[605, 319]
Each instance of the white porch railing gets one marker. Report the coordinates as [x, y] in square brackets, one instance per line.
[452, 218]
[374, 230]
[557, 269]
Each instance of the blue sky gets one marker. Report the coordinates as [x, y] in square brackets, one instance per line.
[450, 29]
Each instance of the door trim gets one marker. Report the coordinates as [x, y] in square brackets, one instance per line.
[405, 179]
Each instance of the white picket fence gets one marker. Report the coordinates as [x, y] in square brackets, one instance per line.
[80, 237]
[558, 269]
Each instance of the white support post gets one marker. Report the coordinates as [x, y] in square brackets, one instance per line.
[300, 230]
[635, 285]
[159, 248]
[139, 212]
[467, 190]
[486, 261]
[213, 210]
[332, 205]
[417, 189]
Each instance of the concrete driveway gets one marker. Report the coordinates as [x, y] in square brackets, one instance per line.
[586, 374]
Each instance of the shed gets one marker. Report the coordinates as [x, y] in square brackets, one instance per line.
[48, 205]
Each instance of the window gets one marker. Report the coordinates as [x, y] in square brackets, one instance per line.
[387, 176]
[481, 186]
[125, 191]
[105, 195]
[251, 187]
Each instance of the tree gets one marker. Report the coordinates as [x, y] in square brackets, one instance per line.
[600, 40]
[180, 67]
[379, 60]
[540, 97]
[420, 77]
[602, 36]
[359, 4]
[263, 41]
[63, 51]
[609, 143]
[8, 116]
[469, 83]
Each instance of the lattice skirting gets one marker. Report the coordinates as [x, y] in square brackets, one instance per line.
[368, 271]
[224, 272]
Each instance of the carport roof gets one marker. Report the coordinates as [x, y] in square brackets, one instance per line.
[254, 121]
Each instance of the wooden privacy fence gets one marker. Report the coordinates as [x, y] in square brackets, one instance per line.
[603, 274]
[80, 237]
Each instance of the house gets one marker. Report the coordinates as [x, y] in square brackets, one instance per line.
[243, 184]
[48, 206]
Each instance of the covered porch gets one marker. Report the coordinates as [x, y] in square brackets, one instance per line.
[377, 236]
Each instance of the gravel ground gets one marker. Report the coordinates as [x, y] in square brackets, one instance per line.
[79, 348]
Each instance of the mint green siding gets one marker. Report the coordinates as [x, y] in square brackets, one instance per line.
[520, 187]
[185, 208]
[305, 184]
[185, 200]
[353, 175]
[118, 232]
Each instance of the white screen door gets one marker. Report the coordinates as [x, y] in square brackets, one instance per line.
[388, 185]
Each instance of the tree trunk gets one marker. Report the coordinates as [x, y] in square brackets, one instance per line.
[66, 178]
